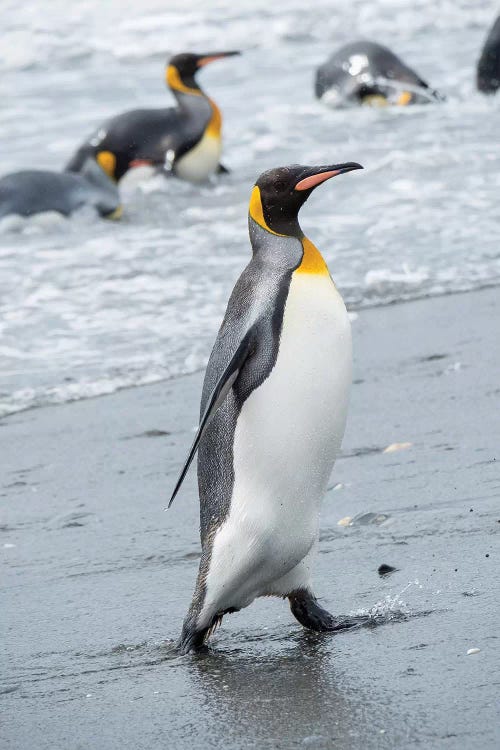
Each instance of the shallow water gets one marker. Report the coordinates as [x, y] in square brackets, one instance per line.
[96, 578]
[87, 307]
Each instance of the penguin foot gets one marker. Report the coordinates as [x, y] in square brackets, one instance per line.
[307, 611]
[194, 640]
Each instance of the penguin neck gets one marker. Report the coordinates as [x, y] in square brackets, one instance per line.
[303, 258]
[193, 101]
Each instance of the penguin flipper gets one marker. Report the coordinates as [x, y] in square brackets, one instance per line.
[217, 397]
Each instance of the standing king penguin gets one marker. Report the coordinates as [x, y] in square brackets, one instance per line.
[185, 140]
[272, 418]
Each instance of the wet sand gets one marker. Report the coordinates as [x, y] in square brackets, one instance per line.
[96, 577]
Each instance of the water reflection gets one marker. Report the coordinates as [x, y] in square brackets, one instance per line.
[294, 695]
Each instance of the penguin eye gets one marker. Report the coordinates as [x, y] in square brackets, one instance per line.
[279, 186]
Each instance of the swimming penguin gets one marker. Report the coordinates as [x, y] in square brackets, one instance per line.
[273, 412]
[34, 191]
[368, 73]
[488, 67]
[184, 140]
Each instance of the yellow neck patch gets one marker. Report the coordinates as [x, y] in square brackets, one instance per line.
[107, 162]
[174, 82]
[214, 126]
[312, 260]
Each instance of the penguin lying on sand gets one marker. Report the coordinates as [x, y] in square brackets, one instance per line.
[35, 191]
[273, 413]
[368, 73]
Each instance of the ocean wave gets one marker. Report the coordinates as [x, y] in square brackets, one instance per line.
[89, 306]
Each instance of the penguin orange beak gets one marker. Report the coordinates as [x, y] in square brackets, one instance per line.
[314, 176]
[212, 57]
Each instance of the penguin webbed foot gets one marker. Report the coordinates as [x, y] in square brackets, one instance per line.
[311, 615]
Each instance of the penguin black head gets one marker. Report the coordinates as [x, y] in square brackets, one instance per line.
[279, 194]
[182, 68]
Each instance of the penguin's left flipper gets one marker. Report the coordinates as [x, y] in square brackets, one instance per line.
[311, 615]
[221, 169]
[219, 393]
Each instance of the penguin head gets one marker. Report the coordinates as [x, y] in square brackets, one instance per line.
[182, 69]
[279, 194]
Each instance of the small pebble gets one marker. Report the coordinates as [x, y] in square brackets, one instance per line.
[345, 521]
[394, 447]
[473, 651]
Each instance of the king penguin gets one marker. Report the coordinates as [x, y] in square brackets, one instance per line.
[368, 73]
[273, 413]
[185, 140]
[34, 191]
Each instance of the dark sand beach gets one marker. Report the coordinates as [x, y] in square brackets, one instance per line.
[97, 578]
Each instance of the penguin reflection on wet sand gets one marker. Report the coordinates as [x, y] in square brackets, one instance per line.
[36, 191]
[273, 414]
[488, 67]
[368, 73]
[185, 140]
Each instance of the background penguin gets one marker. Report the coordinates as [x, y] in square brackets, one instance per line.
[488, 67]
[368, 73]
[35, 191]
[273, 413]
[185, 140]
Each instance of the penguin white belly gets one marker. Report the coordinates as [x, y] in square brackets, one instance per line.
[201, 161]
[286, 440]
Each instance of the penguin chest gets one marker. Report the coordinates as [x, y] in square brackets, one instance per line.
[290, 428]
[201, 161]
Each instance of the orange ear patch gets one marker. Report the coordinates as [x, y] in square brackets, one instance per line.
[316, 179]
[174, 81]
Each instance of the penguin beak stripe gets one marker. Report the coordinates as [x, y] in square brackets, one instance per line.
[316, 179]
[207, 60]
[212, 58]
